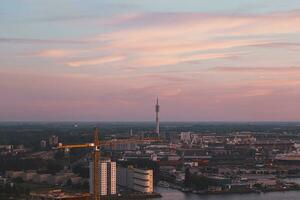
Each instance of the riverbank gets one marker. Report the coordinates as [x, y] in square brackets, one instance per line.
[135, 196]
[249, 186]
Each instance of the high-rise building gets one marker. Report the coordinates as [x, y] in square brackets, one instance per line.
[157, 119]
[107, 177]
[125, 177]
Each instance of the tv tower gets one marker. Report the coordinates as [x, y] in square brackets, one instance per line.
[157, 120]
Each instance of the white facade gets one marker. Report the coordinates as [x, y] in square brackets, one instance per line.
[137, 179]
[143, 180]
[107, 177]
[113, 178]
[185, 137]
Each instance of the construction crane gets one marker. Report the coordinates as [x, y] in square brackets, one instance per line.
[95, 146]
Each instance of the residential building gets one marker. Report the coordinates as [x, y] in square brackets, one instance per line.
[137, 179]
[107, 177]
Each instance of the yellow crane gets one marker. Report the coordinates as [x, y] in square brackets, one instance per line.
[96, 154]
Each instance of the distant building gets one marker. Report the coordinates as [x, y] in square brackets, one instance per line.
[124, 147]
[243, 139]
[76, 180]
[107, 177]
[20, 147]
[265, 180]
[57, 179]
[42, 178]
[53, 140]
[28, 176]
[3, 181]
[137, 179]
[43, 144]
[6, 147]
[185, 137]
[14, 174]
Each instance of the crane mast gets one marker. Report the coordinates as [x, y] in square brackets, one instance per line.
[96, 159]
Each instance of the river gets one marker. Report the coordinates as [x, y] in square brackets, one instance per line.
[171, 194]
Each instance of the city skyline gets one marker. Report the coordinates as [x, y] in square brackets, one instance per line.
[108, 61]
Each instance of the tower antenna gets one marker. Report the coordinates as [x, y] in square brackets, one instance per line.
[157, 118]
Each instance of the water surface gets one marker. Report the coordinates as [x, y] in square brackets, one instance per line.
[171, 194]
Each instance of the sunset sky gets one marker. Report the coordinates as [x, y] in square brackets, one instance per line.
[108, 60]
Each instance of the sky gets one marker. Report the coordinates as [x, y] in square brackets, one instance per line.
[108, 60]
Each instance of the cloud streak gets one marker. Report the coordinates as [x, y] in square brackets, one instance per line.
[40, 41]
[257, 69]
[96, 61]
[55, 53]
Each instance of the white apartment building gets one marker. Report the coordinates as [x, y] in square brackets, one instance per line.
[107, 177]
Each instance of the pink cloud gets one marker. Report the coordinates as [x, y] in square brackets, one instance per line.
[155, 61]
[257, 69]
[281, 75]
[179, 37]
[95, 61]
[193, 33]
[56, 53]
